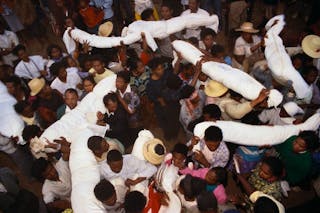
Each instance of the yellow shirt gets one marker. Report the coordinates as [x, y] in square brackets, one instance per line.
[99, 77]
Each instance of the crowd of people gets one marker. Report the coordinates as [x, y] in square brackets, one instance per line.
[153, 90]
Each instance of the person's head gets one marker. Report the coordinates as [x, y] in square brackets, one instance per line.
[98, 145]
[194, 5]
[179, 154]
[166, 11]
[68, 22]
[217, 175]
[13, 84]
[98, 64]
[6, 71]
[271, 169]
[310, 74]
[54, 52]
[265, 205]
[218, 52]
[115, 161]
[251, 118]
[105, 192]
[188, 70]
[122, 80]
[134, 202]
[43, 169]
[306, 141]
[194, 41]
[191, 94]
[136, 66]
[203, 77]
[71, 98]
[207, 35]
[207, 202]
[247, 36]
[298, 61]
[191, 187]
[85, 63]
[213, 137]
[30, 132]
[211, 112]
[58, 70]
[88, 83]
[25, 109]
[111, 102]
[45, 92]
[69, 61]
[174, 82]
[20, 51]
[83, 4]
[156, 66]
[147, 15]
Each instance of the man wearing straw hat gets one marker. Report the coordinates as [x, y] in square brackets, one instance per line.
[311, 47]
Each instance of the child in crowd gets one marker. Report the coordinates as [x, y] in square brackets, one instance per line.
[91, 16]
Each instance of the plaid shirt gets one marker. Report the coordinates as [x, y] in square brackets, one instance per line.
[219, 157]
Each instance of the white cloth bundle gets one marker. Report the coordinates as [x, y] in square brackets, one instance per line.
[151, 29]
[141, 5]
[250, 135]
[11, 123]
[232, 78]
[279, 61]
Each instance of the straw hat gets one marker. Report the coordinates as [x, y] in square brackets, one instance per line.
[36, 85]
[247, 27]
[292, 109]
[105, 29]
[154, 151]
[311, 46]
[215, 89]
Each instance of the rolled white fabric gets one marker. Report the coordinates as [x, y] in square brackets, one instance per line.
[232, 78]
[250, 135]
[151, 29]
[279, 61]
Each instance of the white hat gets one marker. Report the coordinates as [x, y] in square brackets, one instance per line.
[247, 27]
[36, 85]
[292, 109]
[239, 50]
[311, 46]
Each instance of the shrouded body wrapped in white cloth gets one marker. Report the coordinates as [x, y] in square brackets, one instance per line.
[232, 78]
[151, 29]
[279, 61]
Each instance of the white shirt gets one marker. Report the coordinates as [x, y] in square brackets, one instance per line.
[61, 189]
[73, 80]
[272, 116]
[196, 31]
[241, 43]
[132, 166]
[31, 69]
[121, 191]
[6, 40]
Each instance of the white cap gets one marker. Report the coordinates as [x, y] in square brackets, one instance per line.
[292, 109]
[239, 50]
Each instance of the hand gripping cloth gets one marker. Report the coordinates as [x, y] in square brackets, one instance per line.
[232, 78]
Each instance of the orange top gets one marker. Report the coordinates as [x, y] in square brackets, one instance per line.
[91, 16]
[154, 202]
[145, 58]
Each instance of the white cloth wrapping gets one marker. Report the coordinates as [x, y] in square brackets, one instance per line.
[141, 5]
[232, 78]
[152, 29]
[11, 123]
[279, 61]
[250, 135]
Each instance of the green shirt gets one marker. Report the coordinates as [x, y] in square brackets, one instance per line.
[297, 165]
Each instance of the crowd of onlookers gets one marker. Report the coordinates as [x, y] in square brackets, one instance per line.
[152, 91]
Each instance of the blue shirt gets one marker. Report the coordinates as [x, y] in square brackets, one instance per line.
[105, 5]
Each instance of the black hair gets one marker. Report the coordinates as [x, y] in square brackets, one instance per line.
[275, 165]
[134, 202]
[186, 91]
[167, 4]
[19, 47]
[132, 63]
[311, 139]
[124, 75]
[181, 149]
[207, 31]
[104, 190]
[192, 186]
[251, 118]
[51, 47]
[71, 90]
[155, 62]
[212, 110]
[38, 167]
[146, 14]
[265, 205]
[20, 106]
[110, 97]
[308, 69]
[299, 56]
[194, 41]
[235, 94]
[213, 133]
[174, 82]
[221, 174]
[113, 156]
[30, 132]
[159, 149]
[217, 49]
[97, 58]
[206, 201]
[94, 143]
[66, 18]
[89, 78]
[15, 80]
[56, 67]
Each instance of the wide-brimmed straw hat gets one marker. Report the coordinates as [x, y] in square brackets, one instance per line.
[215, 89]
[311, 46]
[36, 85]
[154, 151]
[247, 27]
[105, 29]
